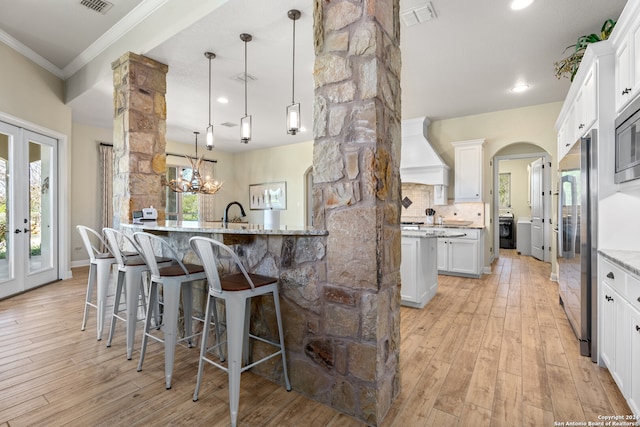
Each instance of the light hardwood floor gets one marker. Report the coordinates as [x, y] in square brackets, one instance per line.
[497, 351]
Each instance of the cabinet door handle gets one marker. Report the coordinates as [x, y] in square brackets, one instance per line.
[638, 299]
[581, 126]
[626, 91]
[637, 328]
[608, 298]
[566, 145]
[610, 275]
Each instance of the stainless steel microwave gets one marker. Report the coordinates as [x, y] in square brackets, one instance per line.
[628, 144]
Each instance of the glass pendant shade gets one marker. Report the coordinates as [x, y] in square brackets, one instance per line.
[293, 119]
[245, 129]
[210, 138]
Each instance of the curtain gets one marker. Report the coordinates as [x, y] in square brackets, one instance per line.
[106, 178]
[206, 202]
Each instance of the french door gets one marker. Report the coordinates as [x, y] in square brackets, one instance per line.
[28, 209]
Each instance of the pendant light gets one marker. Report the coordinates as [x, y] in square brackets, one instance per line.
[293, 110]
[210, 56]
[245, 122]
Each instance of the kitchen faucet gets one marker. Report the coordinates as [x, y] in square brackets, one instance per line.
[225, 219]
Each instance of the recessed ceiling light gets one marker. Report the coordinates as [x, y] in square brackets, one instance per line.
[520, 87]
[222, 100]
[520, 4]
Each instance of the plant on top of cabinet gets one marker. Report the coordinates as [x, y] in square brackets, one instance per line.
[568, 67]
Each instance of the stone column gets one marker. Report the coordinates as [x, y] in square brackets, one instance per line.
[356, 193]
[139, 142]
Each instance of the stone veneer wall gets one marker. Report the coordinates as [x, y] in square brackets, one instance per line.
[351, 351]
[139, 140]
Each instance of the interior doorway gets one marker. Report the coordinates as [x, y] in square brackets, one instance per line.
[522, 199]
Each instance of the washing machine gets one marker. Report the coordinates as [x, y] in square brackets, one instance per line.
[507, 231]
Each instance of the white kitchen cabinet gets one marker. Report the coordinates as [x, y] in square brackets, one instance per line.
[469, 159]
[626, 41]
[590, 97]
[613, 344]
[461, 256]
[619, 328]
[419, 274]
[634, 385]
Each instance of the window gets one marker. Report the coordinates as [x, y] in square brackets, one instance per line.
[504, 190]
[181, 206]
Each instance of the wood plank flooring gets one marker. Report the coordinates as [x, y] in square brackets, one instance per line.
[498, 351]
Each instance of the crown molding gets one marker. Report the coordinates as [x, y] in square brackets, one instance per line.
[30, 54]
[113, 34]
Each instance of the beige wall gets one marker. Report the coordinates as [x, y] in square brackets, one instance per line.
[286, 163]
[31, 93]
[33, 98]
[532, 125]
[519, 185]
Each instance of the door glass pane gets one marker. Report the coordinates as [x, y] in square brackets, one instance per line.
[5, 271]
[39, 227]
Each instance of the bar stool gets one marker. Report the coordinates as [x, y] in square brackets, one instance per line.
[131, 267]
[99, 275]
[236, 290]
[173, 279]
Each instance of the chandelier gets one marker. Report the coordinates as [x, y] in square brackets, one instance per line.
[196, 184]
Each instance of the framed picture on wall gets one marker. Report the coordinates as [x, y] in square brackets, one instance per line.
[271, 195]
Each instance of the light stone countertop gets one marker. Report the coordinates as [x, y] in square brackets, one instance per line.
[218, 228]
[432, 234]
[629, 260]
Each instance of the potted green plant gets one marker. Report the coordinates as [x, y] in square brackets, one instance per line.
[568, 67]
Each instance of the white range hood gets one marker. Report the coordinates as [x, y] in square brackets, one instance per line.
[420, 163]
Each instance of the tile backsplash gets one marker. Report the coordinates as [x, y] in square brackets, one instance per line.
[421, 198]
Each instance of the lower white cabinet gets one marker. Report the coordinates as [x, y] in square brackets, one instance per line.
[619, 328]
[419, 275]
[634, 384]
[461, 256]
[614, 322]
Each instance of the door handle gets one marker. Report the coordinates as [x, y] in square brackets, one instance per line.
[637, 328]
[610, 275]
[18, 231]
[26, 230]
[608, 298]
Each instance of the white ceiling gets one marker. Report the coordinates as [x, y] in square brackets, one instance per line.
[461, 63]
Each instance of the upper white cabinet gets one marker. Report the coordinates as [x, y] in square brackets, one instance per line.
[626, 42]
[590, 97]
[469, 158]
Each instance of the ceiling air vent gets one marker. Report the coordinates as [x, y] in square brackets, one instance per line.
[417, 14]
[240, 78]
[97, 5]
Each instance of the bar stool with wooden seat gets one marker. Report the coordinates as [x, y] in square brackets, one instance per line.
[99, 275]
[131, 267]
[236, 290]
[175, 278]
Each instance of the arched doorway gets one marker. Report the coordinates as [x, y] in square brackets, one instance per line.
[522, 193]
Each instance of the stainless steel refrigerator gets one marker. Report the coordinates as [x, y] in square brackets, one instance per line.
[577, 240]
